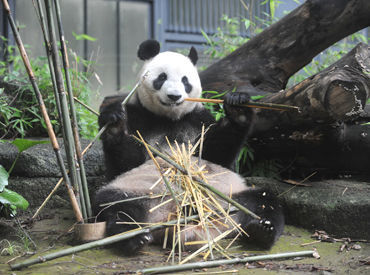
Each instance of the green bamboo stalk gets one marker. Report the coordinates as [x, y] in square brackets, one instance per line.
[200, 265]
[43, 110]
[200, 181]
[69, 144]
[93, 244]
[85, 191]
[86, 106]
[48, 54]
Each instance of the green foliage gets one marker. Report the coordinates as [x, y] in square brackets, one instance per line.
[83, 36]
[10, 201]
[216, 110]
[24, 144]
[19, 111]
[227, 39]
[327, 57]
[3, 178]
[8, 248]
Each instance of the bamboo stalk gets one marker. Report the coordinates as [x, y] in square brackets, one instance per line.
[200, 181]
[251, 104]
[86, 106]
[44, 113]
[48, 54]
[84, 190]
[93, 244]
[69, 141]
[200, 265]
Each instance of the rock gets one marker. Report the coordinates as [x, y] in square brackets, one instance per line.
[340, 207]
[40, 160]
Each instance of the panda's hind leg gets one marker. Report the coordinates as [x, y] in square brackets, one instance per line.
[265, 231]
[115, 216]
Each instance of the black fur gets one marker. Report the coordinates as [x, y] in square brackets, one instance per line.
[159, 81]
[148, 49]
[187, 85]
[193, 55]
[122, 152]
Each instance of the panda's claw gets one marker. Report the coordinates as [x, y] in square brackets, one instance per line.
[261, 232]
[240, 115]
[112, 114]
[135, 244]
[236, 98]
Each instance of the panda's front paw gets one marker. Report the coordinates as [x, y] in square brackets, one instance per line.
[112, 114]
[261, 233]
[135, 244]
[242, 116]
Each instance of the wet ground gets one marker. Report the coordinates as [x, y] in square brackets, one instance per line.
[50, 235]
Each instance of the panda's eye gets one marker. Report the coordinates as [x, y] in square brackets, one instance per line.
[158, 82]
[186, 83]
[162, 77]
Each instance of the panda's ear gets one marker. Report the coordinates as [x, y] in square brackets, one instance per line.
[193, 55]
[148, 49]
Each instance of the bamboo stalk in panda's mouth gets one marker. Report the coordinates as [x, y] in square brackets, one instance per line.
[250, 104]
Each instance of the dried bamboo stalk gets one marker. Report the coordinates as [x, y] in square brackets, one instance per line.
[200, 265]
[44, 113]
[251, 104]
[200, 181]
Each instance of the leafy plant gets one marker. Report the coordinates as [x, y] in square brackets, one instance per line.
[19, 111]
[227, 39]
[10, 201]
[8, 248]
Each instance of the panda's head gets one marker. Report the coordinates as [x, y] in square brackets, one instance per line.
[167, 79]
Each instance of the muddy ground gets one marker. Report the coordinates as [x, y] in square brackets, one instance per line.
[50, 234]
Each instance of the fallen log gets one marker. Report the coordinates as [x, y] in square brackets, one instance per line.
[338, 93]
[265, 62]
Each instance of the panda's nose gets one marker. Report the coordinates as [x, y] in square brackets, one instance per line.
[174, 97]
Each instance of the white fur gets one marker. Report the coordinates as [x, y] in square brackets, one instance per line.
[138, 182]
[176, 66]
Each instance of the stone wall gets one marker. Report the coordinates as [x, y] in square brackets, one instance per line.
[36, 172]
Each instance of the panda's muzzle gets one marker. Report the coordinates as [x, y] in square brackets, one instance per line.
[173, 100]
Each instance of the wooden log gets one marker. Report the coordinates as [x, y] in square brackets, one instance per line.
[338, 93]
[265, 63]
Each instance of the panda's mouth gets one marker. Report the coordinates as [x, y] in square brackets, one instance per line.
[171, 104]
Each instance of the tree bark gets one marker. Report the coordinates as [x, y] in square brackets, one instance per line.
[338, 93]
[265, 63]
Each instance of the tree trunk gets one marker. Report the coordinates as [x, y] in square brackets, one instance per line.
[265, 63]
[338, 93]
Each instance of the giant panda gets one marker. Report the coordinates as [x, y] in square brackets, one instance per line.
[158, 111]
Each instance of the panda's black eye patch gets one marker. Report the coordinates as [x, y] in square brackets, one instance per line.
[158, 82]
[186, 83]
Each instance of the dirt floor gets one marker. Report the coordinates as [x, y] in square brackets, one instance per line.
[49, 235]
